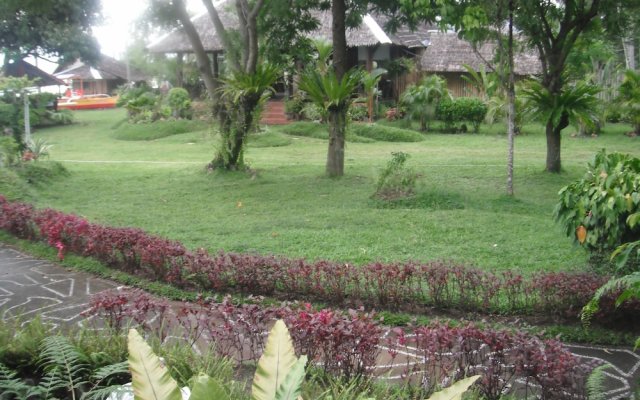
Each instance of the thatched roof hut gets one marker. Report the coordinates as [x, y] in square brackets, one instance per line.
[447, 53]
[371, 32]
[104, 76]
[22, 68]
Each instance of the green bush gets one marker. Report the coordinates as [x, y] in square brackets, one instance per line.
[294, 106]
[180, 103]
[594, 210]
[385, 133]
[7, 115]
[396, 181]
[452, 111]
[312, 112]
[9, 151]
[13, 187]
[358, 112]
[157, 129]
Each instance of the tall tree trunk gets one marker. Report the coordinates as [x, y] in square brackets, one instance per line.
[338, 31]
[628, 46]
[337, 119]
[335, 154]
[180, 70]
[511, 105]
[553, 147]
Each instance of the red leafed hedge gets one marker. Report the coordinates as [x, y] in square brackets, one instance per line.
[395, 286]
[351, 343]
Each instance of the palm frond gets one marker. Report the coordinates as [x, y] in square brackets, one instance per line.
[329, 92]
[243, 85]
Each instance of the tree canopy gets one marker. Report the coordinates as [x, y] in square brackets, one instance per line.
[59, 28]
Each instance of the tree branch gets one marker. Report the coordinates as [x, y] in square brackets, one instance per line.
[241, 10]
[222, 32]
[204, 65]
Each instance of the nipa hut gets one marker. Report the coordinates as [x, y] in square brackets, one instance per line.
[103, 77]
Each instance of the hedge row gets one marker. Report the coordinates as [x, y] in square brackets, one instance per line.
[407, 286]
[350, 344]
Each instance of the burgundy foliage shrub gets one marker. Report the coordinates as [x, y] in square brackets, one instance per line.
[447, 354]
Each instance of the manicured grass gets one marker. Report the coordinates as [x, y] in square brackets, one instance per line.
[287, 206]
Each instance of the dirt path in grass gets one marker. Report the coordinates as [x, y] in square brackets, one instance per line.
[29, 287]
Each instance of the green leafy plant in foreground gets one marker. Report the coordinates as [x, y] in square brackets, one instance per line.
[279, 375]
[598, 210]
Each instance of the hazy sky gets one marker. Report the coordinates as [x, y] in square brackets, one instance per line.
[119, 17]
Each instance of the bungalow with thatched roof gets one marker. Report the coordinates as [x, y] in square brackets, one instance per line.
[21, 68]
[447, 55]
[103, 77]
[369, 44]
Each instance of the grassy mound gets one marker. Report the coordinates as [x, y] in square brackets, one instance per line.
[385, 133]
[13, 187]
[319, 131]
[156, 130]
[269, 139]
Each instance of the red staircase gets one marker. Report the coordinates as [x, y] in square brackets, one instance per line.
[274, 114]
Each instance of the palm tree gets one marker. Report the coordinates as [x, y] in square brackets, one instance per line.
[421, 99]
[242, 93]
[334, 96]
[629, 95]
[576, 104]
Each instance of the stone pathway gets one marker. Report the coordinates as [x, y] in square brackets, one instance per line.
[29, 286]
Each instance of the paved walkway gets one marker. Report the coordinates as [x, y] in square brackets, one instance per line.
[29, 286]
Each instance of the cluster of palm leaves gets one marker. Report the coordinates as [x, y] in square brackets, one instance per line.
[420, 100]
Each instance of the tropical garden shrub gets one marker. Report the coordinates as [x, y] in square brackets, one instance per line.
[498, 356]
[294, 105]
[421, 100]
[469, 109]
[396, 180]
[629, 98]
[180, 102]
[594, 210]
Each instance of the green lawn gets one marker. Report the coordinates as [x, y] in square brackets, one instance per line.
[289, 208]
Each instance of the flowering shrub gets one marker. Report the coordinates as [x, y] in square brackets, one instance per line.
[396, 286]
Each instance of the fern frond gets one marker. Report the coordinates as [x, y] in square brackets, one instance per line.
[63, 364]
[105, 392]
[10, 385]
[596, 383]
[630, 282]
[110, 370]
